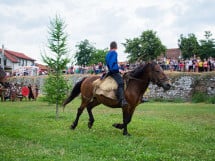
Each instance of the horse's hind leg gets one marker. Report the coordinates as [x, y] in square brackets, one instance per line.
[79, 112]
[89, 110]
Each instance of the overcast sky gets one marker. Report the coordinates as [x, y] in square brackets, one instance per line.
[24, 23]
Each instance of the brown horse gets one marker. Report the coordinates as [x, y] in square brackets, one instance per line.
[137, 82]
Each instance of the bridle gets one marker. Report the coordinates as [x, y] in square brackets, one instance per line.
[157, 81]
[128, 77]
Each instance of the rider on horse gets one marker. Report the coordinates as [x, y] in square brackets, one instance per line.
[112, 64]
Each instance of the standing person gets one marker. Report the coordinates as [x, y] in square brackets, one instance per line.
[30, 94]
[205, 65]
[25, 91]
[36, 91]
[200, 65]
[112, 64]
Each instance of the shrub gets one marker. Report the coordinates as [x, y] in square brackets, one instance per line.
[199, 97]
[211, 100]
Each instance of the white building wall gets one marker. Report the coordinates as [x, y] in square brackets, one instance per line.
[9, 63]
[15, 66]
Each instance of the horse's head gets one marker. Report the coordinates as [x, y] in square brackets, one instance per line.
[158, 76]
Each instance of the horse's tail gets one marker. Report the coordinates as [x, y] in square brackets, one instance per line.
[75, 92]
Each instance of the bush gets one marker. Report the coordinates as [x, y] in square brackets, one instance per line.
[202, 97]
[211, 100]
[198, 97]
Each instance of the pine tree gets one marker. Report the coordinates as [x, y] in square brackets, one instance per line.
[55, 85]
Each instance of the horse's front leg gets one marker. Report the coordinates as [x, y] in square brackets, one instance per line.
[118, 126]
[125, 130]
[122, 126]
[126, 119]
[127, 115]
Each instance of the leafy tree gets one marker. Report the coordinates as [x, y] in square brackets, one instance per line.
[189, 45]
[207, 46]
[55, 85]
[98, 56]
[146, 47]
[84, 53]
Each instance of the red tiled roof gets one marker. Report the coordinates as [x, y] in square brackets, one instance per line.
[13, 56]
[42, 67]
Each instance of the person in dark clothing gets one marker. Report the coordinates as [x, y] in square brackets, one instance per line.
[112, 64]
[30, 95]
[36, 91]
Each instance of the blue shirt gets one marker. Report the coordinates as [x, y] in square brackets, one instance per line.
[111, 61]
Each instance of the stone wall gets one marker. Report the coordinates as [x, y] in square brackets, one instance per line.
[184, 85]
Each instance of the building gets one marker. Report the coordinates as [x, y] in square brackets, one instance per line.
[43, 69]
[11, 60]
[173, 53]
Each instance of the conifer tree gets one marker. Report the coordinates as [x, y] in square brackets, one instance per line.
[55, 85]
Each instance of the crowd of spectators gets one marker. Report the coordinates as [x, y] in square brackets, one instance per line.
[19, 91]
[183, 65]
[188, 65]
[94, 69]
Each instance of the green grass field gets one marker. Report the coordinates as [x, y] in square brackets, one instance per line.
[160, 131]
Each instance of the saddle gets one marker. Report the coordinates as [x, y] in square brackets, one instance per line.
[106, 87]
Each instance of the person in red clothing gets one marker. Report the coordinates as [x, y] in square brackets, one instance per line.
[205, 65]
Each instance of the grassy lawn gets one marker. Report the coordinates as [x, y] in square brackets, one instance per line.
[160, 131]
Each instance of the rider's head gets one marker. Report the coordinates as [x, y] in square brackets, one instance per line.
[113, 45]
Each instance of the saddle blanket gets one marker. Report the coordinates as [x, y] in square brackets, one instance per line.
[106, 87]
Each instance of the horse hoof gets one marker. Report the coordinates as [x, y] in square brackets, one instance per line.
[72, 127]
[114, 125]
[90, 125]
[118, 126]
[126, 134]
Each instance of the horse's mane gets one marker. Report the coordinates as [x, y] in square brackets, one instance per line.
[139, 70]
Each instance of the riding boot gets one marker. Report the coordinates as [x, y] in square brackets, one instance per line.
[121, 97]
